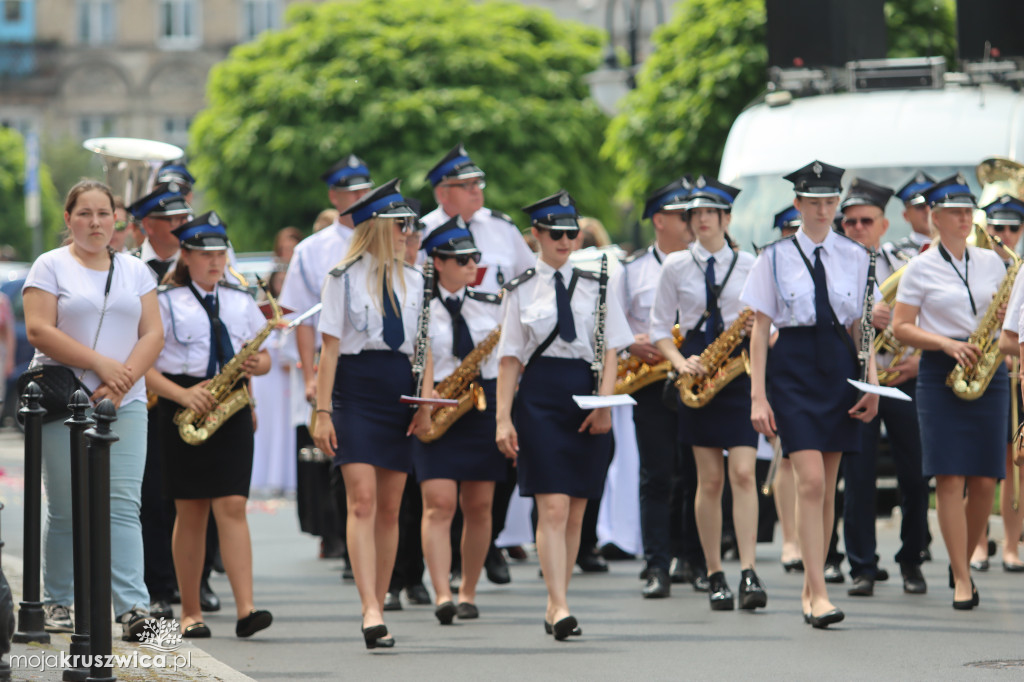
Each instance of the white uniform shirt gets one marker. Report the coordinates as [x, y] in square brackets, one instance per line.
[529, 314]
[187, 326]
[930, 283]
[1015, 304]
[481, 318]
[352, 316]
[503, 250]
[780, 284]
[636, 287]
[313, 258]
[79, 292]
[682, 290]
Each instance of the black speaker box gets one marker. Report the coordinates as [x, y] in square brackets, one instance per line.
[998, 22]
[817, 33]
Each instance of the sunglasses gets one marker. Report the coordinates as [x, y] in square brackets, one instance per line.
[1013, 228]
[464, 258]
[468, 186]
[558, 234]
[852, 222]
[407, 225]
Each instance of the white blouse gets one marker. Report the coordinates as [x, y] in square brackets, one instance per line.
[481, 316]
[313, 258]
[637, 284]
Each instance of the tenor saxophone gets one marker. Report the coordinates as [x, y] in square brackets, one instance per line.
[719, 366]
[461, 385]
[196, 427]
[634, 374]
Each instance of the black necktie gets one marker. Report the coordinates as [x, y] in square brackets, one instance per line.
[394, 331]
[160, 267]
[566, 325]
[822, 316]
[220, 343]
[714, 325]
[462, 342]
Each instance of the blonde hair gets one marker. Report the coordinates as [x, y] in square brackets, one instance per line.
[324, 218]
[373, 238]
[592, 228]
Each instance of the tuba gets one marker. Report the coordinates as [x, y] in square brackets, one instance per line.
[130, 165]
[719, 365]
[998, 176]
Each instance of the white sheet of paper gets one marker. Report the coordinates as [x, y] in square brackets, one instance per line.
[413, 400]
[592, 402]
[884, 391]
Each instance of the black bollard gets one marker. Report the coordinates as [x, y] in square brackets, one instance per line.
[99, 439]
[77, 424]
[6, 621]
[30, 610]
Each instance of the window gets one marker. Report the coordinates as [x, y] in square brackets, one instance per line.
[176, 130]
[12, 11]
[95, 22]
[178, 23]
[96, 125]
[259, 16]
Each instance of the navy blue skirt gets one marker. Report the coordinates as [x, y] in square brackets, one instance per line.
[468, 450]
[553, 456]
[368, 419]
[960, 437]
[811, 408]
[725, 421]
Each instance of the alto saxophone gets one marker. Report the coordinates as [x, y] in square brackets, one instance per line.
[719, 367]
[460, 385]
[885, 340]
[634, 374]
[196, 427]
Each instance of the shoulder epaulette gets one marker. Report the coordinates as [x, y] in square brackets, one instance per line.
[137, 252]
[481, 296]
[587, 274]
[164, 288]
[853, 241]
[769, 245]
[509, 286]
[232, 285]
[634, 256]
[340, 269]
[502, 216]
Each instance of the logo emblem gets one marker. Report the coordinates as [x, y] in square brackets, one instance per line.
[214, 219]
[353, 162]
[816, 168]
[920, 178]
[173, 187]
[563, 200]
[1005, 199]
[701, 182]
[960, 179]
[161, 635]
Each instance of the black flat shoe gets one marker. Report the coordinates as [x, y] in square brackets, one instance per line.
[418, 594]
[826, 619]
[590, 562]
[964, 604]
[807, 617]
[752, 594]
[445, 613]
[467, 611]
[392, 602]
[833, 574]
[563, 628]
[196, 631]
[256, 620]
[982, 565]
[658, 584]
[548, 629]
[208, 599]
[374, 637]
[863, 586]
[1009, 568]
[793, 566]
[719, 594]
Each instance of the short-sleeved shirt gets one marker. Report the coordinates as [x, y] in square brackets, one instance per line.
[682, 289]
[352, 314]
[187, 328]
[780, 285]
[931, 284]
[313, 258]
[529, 314]
[79, 292]
[637, 285]
[1015, 304]
[482, 313]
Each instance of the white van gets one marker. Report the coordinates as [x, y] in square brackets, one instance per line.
[883, 135]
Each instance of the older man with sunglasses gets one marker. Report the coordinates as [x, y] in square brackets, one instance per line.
[864, 221]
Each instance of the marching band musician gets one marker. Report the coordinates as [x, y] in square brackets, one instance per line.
[917, 214]
[813, 306]
[656, 424]
[463, 464]
[943, 294]
[371, 304]
[205, 320]
[549, 332]
[700, 287]
[864, 221]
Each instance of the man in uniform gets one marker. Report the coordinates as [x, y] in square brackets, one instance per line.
[160, 212]
[864, 221]
[917, 214]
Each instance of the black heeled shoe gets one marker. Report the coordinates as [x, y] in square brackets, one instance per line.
[824, 620]
[563, 628]
[752, 594]
[968, 604]
[445, 612]
[374, 637]
[548, 630]
[719, 594]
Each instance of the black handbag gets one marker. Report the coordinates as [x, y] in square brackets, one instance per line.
[58, 384]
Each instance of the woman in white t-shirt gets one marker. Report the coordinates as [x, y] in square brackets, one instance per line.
[108, 334]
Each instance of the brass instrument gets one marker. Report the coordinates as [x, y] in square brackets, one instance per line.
[719, 367]
[998, 176]
[460, 385]
[885, 340]
[969, 383]
[195, 428]
[634, 374]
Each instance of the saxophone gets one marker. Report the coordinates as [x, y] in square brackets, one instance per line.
[885, 340]
[460, 385]
[195, 428]
[969, 383]
[634, 374]
[720, 368]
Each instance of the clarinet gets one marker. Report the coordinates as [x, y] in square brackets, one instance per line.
[867, 329]
[423, 327]
[597, 366]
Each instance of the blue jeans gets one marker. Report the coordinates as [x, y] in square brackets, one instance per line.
[127, 461]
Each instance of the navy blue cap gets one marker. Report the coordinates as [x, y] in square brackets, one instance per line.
[670, 197]
[556, 212]
[350, 173]
[383, 202]
[787, 217]
[456, 164]
[450, 239]
[203, 233]
[175, 171]
[817, 179]
[866, 193]
[710, 193]
[1006, 210]
[165, 200]
[952, 192]
[910, 193]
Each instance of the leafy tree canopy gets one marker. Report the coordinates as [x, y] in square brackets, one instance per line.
[399, 83]
[13, 227]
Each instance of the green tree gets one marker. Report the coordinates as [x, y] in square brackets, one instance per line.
[709, 62]
[13, 229]
[399, 83]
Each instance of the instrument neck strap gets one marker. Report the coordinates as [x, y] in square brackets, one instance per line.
[840, 329]
[715, 291]
[220, 342]
[554, 332]
[967, 272]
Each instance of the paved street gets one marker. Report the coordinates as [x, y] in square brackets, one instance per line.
[316, 636]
